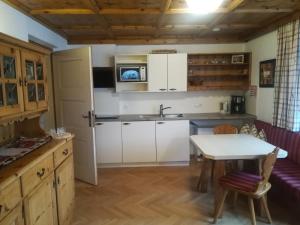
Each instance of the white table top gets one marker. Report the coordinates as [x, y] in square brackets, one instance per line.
[233, 146]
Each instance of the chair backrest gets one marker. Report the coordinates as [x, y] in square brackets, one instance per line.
[267, 167]
[225, 129]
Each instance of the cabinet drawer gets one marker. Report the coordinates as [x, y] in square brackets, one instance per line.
[15, 217]
[10, 196]
[36, 174]
[62, 153]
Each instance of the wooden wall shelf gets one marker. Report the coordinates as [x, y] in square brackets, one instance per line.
[218, 72]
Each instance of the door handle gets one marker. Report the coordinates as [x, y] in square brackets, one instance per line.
[91, 117]
[172, 89]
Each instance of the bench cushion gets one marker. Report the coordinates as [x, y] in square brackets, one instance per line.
[285, 179]
[293, 147]
[275, 135]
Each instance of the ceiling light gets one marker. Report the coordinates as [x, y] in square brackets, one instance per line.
[216, 29]
[203, 6]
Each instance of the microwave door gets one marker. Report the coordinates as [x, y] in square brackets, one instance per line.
[129, 74]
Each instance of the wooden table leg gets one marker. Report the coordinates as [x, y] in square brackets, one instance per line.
[219, 172]
[203, 179]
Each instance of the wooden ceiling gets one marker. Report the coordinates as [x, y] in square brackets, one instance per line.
[158, 21]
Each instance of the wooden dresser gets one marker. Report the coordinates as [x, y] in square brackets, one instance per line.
[38, 189]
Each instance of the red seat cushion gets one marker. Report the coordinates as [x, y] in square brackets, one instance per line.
[293, 147]
[241, 181]
[286, 178]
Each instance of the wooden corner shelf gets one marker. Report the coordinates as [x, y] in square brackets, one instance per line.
[218, 71]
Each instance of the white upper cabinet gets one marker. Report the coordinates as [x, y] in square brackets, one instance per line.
[177, 72]
[138, 142]
[158, 73]
[167, 72]
[109, 142]
[172, 141]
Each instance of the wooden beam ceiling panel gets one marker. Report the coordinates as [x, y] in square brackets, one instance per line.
[167, 21]
[119, 11]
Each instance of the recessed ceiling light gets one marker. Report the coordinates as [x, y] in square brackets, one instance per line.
[216, 29]
[203, 6]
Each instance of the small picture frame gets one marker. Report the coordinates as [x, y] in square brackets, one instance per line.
[267, 73]
[237, 59]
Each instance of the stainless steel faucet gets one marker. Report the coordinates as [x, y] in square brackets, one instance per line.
[161, 110]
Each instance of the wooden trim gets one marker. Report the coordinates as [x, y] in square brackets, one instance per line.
[22, 44]
[152, 11]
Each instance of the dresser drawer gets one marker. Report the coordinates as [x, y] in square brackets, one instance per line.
[33, 177]
[10, 196]
[62, 153]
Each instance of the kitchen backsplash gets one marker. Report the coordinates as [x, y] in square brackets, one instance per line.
[107, 102]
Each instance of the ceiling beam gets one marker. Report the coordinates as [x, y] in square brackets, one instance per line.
[154, 11]
[96, 8]
[272, 25]
[233, 5]
[150, 40]
[152, 27]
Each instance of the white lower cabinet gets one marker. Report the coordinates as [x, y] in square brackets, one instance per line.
[109, 142]
[172, 141]
[138, 142]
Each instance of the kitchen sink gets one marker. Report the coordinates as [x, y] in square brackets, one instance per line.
[173, 115]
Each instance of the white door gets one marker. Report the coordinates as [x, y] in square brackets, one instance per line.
[138, 141]
[109, 142]
[177, 72]
[74, 105]
[157, 73]
[172, 141]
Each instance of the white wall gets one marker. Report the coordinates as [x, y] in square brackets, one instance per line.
[18, 25]
[262, 48]
[108, 102]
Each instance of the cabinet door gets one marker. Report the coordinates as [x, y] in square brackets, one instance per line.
[35, 81]
[15, 217]
[65, 191]
[109, 142]
[138, 141]
[40, 205]
[157, 73]
[11, 95]
[177, 72]
[172, 141]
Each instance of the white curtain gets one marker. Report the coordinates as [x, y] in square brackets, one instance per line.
[287, 78]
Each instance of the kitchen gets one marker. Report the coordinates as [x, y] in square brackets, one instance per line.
[149, 112]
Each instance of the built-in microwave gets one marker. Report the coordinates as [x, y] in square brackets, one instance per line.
[131, 73]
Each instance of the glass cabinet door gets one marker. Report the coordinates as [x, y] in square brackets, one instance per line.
[34, 80]
[11, 97]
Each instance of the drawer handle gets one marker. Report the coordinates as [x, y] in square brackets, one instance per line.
[41, 173]
[162, 89]
[65, 152]
[126, 123]
[172, 89]
[160, 122]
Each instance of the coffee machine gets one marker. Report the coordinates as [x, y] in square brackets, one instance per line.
[238, 105]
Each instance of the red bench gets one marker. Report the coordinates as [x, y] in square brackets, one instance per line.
[285, 178]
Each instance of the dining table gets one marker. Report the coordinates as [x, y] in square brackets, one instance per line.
[227, 147]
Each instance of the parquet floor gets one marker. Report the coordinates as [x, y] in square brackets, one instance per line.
[156, 196]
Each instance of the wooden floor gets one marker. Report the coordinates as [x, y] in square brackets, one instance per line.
[156, 196]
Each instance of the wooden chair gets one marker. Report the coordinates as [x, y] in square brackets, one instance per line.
[255, 187]
[220, 129]
[225, 129]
